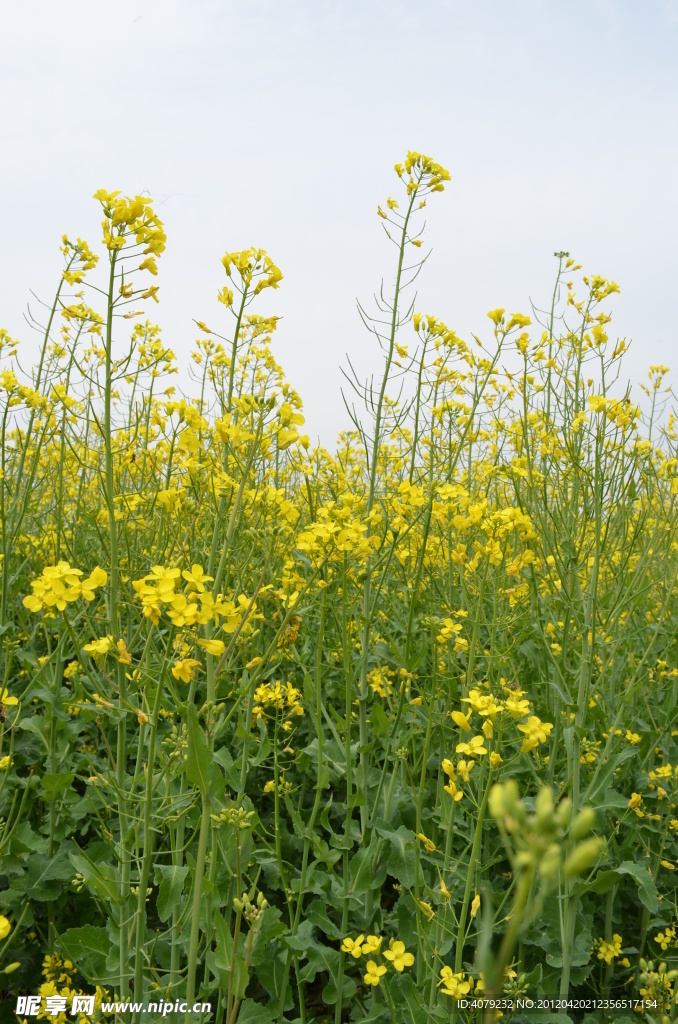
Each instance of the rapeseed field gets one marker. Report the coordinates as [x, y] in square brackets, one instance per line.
[379, 734]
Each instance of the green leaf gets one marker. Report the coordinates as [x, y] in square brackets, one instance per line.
[99, 877]
[378, 721]
[581, 951]
[224, 956]
[199, 760]
[610, 800]
[647, 890]
[24, 838]
[224, 947]
[36, 725]
[170, 888]
[604, 880]
[302, 938]
[272, 973]
[88, 948]
[604, 779]
[223, 757]
[53, 784]
[44, 877]
[405, 994]
[361, 871]
[402, 862]
[255, 1013]
[330, 990]
[316, 913]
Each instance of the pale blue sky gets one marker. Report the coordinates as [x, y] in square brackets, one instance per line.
[277, 124]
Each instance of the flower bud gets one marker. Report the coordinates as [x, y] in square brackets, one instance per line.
[496, 801]
[550, 863]
[583, 823]
[544, 806]
[564, 813]
[512, 802]
[582, 857]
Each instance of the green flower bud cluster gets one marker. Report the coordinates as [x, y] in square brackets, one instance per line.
[249, 907]
[237, 817]
[432, 622]
[549, 840]
[176, 741]
[656, 984]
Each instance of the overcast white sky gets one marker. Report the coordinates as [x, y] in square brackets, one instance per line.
[277, 124]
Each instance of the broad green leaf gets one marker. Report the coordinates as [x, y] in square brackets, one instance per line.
[316, 913]
[223, 757]
[45, 877]
[55, 783]
[606, 773]
[361, 870]
[330, 991]
[99, 877]
[24, 838]
[88, 948]
[401, 862]
[604, 880]
[170, 888]
[256, 1013]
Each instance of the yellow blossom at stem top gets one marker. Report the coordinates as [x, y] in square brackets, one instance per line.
[99, 648]
[197, 578]
[215, 647]
[608, 951]
[474, 747]
[462, 720]
[496, 315]
[374, 973]
[535, 731]
[453, 984]
[666, 938]
[398, 956]
[372, 944]
[184, 669]
[353, 946]
[456, 794]
[428, 844]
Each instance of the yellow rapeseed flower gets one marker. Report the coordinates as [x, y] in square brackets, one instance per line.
[353, 946]
[374, 973]
[398, 956]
